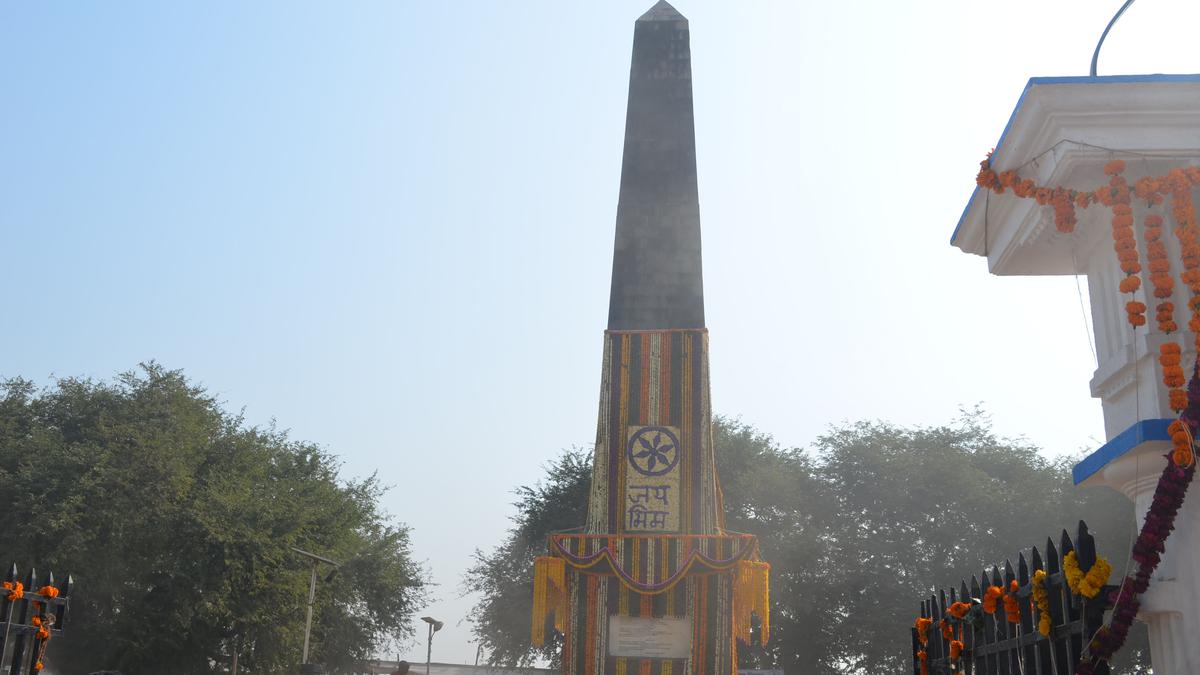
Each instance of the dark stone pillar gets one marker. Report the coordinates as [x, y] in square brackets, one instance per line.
[656, 279]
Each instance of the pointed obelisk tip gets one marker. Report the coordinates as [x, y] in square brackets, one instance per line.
[662, 11]
[657, 282]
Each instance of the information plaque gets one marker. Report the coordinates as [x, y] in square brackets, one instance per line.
[649, 638]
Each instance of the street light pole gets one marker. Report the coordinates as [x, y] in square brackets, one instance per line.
[312, 591]
[434, 626]
[312, 594]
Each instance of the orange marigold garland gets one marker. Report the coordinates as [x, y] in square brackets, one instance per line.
[1118, 197]
[990, 597]
[1178, 182]
[1063, 200]
[16, 590]
[42, 620]
[956, 647]
[958, 609]
[1012, 608]
[987, 178]
[1182, 452]
[1170, 358]
[1164, 312]
[922, 625]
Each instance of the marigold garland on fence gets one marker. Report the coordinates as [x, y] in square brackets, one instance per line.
[1088, 585]
[922, 625]
[1012, 608]
[958, 609]
[16, 590]
[956, 647]
[990, 597]
[42, 620]
[1041, 598]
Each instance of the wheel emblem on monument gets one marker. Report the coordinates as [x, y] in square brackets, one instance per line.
[653, 451]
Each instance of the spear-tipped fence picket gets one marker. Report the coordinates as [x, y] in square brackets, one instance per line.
[993, 645]
[20, 646]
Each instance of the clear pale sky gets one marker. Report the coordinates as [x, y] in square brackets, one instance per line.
[388, 225]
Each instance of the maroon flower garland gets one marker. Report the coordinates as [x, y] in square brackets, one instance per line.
[1149, 547]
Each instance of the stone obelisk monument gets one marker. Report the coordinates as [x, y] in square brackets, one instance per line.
[654, 583]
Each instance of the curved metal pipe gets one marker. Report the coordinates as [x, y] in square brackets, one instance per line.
[1096, 54]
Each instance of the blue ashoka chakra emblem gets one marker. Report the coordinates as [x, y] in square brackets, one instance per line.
[653, 451]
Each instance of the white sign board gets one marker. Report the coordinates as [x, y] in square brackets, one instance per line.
[648, 638]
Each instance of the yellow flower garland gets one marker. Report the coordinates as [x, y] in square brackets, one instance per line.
[549, 596]
[752, 594]
[1088, 585]
[1042, 599]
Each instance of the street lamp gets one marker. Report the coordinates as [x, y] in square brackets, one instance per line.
[312, 590]
[434, 626]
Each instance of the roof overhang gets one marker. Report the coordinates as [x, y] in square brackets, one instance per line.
[1061, 133]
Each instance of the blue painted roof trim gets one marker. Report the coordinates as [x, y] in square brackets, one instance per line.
[1146, 430]
[1084, 79]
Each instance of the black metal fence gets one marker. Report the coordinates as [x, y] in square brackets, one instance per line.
[989, 643]
[32, 612]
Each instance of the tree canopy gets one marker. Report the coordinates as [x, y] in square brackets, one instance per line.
[177, 522]
[858, 529]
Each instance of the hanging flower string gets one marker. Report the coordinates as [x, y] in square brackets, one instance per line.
[16, 590]
[1041, 598]
[1153, 190]
[922, 625]
[990, 597]
[1117, 198]
[956, 611]
[1088, 585]
[1182, 444]
[1178, 183]
[1012, 608]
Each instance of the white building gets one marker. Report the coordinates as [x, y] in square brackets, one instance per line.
[1062, 132]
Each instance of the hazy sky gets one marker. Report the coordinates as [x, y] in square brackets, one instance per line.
[388, 225]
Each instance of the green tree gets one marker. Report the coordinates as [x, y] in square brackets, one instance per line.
[177, 521]
[858, 530]
[504, 577]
